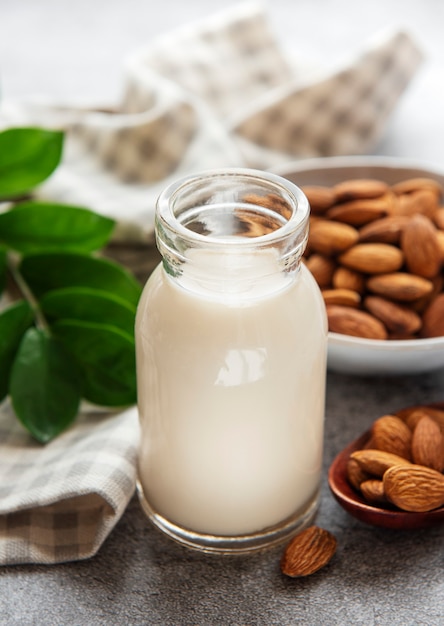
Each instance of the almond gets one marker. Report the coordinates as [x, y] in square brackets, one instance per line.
[440, 237]
[322, 269]
[421, 304]
[344, 278]
[433, 318]
[376, 462]
[359, 212]
[350, 321]
[438, 218]
[269, 201]
[319, 198]
[373, 491]
[360, 188]
[398, 319]
[373, 258]
[330, 238]
[421, 248]
[385, 230]
[400, 286]
[396, 265]
[355, 474]
[416, 184]
[414, 487]
[436, 414]
[423, 202]
[343, 297]
[428, 444]
[412, 415]
[308, 552]
[391, 434]
[413, 418]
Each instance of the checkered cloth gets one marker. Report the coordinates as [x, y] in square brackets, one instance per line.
[59, 502]
[217, 93]
[213, 94]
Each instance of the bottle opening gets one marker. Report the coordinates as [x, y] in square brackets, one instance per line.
[232, 204]
[239, 219]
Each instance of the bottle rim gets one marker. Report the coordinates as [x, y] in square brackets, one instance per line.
[167, 220]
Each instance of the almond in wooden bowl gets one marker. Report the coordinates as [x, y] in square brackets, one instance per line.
[387, 490]
[362, 206]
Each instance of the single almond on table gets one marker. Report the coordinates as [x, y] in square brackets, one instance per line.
[377, 462]
[349, 321]
[397, 318]
[428, 444]
[308, 552]
[421, 248]
[400, 286]
[373, 258]
[391, 434]
[332, 237]
[414, 488]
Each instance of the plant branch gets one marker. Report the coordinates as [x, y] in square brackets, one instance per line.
[26, 292]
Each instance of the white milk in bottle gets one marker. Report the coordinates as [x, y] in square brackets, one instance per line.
[231, 357]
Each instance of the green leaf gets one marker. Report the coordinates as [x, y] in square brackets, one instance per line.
[14, 321]
[40, 226]
[82, 303]
[27, 157]
[107, 356]
[45, 385]
[45, 272]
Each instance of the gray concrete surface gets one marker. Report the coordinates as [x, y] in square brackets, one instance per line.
[378, 577]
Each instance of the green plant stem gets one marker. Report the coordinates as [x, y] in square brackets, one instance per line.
[26, 292]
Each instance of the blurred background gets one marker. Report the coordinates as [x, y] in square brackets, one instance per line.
[74, 50]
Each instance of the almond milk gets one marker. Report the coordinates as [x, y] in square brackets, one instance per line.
[231, 359]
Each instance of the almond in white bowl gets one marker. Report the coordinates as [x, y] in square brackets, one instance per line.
[378, 232]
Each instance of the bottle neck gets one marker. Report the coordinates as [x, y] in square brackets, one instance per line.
[232, 232]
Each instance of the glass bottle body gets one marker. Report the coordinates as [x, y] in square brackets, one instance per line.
[231, 354]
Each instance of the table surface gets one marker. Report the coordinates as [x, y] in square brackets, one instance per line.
[378, 577]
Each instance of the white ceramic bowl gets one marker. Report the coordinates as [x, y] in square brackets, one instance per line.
[353, 355]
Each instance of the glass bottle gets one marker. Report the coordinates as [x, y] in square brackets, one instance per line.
[231, 339]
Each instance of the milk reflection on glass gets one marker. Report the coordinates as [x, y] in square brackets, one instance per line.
[231, 353]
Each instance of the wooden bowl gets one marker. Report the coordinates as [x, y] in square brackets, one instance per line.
[354, 503]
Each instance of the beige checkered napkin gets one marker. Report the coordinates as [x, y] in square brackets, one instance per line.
[343, 113]
[216, 93]
[60, 501]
